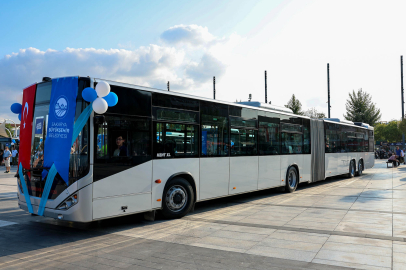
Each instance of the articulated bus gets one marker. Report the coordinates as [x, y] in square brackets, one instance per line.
[161, 150]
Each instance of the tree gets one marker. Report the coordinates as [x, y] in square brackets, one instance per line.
[379, 132]
[402, 126]
[295, 105]
[313, 113]
[392, 132]
[361, 109]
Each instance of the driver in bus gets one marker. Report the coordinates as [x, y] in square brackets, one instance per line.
[121, 150]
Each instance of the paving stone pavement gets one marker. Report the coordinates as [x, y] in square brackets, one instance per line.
[340, 223]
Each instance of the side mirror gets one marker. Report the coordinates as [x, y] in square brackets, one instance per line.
[99, 119]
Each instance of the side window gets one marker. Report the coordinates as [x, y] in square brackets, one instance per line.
[121, 143]
[175, 140]
[131, 101]
[343, 140]
[371, 142]
[214, 130]
[292, 139]
[243, 137]
[365, 146]
[351, 141]
[306, 137]
[268, 136]
[332, 138]
[331, 141]
[359, 146]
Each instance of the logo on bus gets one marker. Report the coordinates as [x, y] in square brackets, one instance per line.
[61, 107]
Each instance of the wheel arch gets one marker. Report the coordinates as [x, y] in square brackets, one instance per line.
[188, 177]
[362, 162]
[297, 169]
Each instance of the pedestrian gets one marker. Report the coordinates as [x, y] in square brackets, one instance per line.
[393, 160]
[398, 154]
[14, 154]
[402, 154]
[6, 159]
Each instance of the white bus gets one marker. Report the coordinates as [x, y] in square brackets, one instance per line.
[160, 150]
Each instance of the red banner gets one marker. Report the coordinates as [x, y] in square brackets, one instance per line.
[26, 125]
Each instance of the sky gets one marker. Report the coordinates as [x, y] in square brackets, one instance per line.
[188, 42]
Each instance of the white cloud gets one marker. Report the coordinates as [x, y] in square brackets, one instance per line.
[186, 67]
[187, 34]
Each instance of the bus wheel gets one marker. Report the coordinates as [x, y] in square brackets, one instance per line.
[292, 180]
[178, 198]
[360, 168]
[352, 169]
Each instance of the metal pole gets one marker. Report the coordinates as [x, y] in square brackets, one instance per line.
[214, 87]
[168, 86]
[403, 100]
[328, 88]
[266, 89]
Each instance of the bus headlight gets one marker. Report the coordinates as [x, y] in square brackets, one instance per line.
[68, 203]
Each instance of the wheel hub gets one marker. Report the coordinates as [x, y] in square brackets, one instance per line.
[176, 198]
[292, 179]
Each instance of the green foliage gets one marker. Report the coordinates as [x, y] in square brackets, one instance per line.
[313, 113]
[361, 109]
[295, 105]
[379, 131]
[402, 126]
[389, 132]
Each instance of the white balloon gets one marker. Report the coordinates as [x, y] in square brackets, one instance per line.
[19, 98]
[100, 106]
[102, 89]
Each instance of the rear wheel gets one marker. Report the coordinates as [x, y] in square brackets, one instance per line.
[177, 199]
[292, 180]
[351, 172]
[360, 168]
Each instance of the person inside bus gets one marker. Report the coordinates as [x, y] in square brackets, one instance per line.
[121, 150]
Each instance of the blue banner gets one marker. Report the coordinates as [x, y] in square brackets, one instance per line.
[62, 109]
[39, 124]
[204, 142]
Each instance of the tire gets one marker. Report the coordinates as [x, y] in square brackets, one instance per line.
[292, 180]
[351, 172]
[177, 199]
[360, 168]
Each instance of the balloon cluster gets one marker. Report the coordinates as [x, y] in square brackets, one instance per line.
[102, 98]
[17, 107]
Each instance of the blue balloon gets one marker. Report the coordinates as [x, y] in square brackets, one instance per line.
[13, 141]
[19, 116]
[16, 108]
[89, 94]
[111, 99]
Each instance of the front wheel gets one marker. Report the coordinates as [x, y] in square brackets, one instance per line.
[178, 198]
[292, 180]
[351, 172]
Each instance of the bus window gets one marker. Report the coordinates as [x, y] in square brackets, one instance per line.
[243, 137]
[365, 147]
[121, 143]
[306, 137]
[214, 130]
[292, 139]
[371, 141]
[175, 140]
[268, 136]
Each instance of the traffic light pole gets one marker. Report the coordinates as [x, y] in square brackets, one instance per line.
[214, 87]
[266, 89]
[328, 88]
[403, 100]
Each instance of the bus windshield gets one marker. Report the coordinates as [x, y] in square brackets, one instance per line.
[79, 157]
